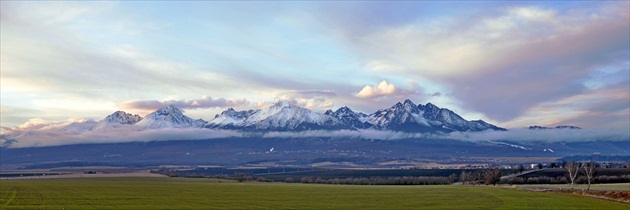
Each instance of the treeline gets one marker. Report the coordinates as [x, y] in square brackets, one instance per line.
[490, 176]
[401, 180]
[404, 180]
[565, 180]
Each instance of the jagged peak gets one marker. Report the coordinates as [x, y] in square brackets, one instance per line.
[344, 109]
[227, 111]
[282, 103]
[328, 112]
[170, 109]
[119, 112]
[409, 102]
[120, 115]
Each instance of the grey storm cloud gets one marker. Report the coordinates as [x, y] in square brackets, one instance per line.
[204, 102]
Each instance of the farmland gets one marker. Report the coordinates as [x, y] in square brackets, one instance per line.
[181, 193]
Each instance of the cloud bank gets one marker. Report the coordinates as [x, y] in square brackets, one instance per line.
[45, 137]
[56, 133]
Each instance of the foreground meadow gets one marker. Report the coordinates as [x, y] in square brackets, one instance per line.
[180, 193]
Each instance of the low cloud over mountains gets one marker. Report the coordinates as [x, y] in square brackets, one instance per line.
[284, 119]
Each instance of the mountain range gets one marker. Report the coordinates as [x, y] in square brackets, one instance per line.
[284, 116]
[228, 131]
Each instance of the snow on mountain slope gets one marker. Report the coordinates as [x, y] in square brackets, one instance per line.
[448, 119]
[410, 117]
[401, 117]
[79, 127]
[230, 118]
[356, 120]
[285, 116]
[116, 120]
[169, 117]
[280, 116]
[406, 116]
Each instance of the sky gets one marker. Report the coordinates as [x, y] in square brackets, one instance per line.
[513, 64]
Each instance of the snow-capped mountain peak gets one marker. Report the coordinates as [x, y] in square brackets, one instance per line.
[122, 118]
[281, 115]
[231, 117]
[353, 119]
[282, 103]
[117, 119]
[169, 117]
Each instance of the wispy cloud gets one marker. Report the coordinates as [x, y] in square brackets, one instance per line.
[503, 62]
[203, 102]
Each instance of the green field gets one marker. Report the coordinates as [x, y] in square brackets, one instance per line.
[180, 193]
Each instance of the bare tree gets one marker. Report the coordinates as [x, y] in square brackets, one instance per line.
[464, 177]
[589, 171]
[452, 178]
[476, 177]
[492, 176]
[572, 170]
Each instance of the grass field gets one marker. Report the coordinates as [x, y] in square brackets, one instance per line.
[180, 193]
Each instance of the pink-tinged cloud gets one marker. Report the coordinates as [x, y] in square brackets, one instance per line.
[204, 102]
[381, 89]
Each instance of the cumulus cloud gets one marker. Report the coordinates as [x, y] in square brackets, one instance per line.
[203, 102]
[381, 89]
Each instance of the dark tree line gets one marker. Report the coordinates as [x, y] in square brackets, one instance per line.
[402, 180]
[491, 176]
